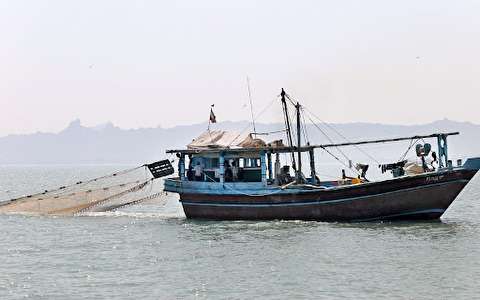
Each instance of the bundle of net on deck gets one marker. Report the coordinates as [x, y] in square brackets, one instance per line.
[101, 194]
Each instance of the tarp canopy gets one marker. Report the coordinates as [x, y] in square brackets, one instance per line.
[225, 139]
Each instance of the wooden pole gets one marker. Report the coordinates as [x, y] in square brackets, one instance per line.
[436, 135]
[313, 173]
[299, 144]
[287, 124]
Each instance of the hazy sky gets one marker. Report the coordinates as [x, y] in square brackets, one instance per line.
[150, 63]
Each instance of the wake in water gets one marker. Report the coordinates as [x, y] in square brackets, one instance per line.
[103, 194]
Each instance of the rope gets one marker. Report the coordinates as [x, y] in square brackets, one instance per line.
[135, 202]
[408, 149]
[334, 130]
[248, 126]
[293, 129]
[243, 193]
[340, 161]
[52, 195]
[342, 136]
[63, 189]
[251, 104]
[292, 102]
[109, 198]
[338, 149]
[305, 134]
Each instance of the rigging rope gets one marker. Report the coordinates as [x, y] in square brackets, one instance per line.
[412, 143]
[338, 149]
[135, 202]
[304, 125]
[342, 136]
[96, 203]
[254, 119]
[292, 102]
[63, 189]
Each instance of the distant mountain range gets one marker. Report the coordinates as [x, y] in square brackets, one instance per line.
[108, 144]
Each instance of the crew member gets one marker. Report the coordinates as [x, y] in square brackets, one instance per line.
[228, 172]
[198, 172]
[235, 171]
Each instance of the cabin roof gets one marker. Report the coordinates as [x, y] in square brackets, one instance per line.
[224, 139]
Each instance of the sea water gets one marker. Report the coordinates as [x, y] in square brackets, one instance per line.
[151, 251]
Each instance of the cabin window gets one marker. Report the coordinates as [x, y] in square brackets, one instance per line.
[251, 163]
[197, 160]
[236, 169]
[215, 162]
[248, 170]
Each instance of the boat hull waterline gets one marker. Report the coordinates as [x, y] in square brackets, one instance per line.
[425, 197]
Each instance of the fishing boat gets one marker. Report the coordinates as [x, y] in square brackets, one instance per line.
[227, 176]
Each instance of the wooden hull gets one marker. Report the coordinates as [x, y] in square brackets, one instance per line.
[425, 196]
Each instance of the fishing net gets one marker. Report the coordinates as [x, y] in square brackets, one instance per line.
[107, 193]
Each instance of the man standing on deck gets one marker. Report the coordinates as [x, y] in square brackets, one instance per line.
[198, 172]
[235, 171]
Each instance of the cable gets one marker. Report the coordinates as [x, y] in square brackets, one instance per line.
[342, 136]
[305, 133]
[408, 149]
[248, 126]
[251, 105]
[64, 189]
[292, 102]
[338, 149]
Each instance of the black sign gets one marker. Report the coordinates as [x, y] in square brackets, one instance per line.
[161, 168]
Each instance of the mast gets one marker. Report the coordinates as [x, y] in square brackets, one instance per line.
[299, 143]
[287, 124]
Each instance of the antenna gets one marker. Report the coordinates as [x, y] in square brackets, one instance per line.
[251, 106]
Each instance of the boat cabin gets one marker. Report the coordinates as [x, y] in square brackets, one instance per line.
[220, 156]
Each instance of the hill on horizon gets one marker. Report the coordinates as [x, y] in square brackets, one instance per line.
[108, 144]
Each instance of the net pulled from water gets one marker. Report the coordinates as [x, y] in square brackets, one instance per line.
[106, 193]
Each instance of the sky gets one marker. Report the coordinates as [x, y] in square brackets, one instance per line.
[163, 63]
